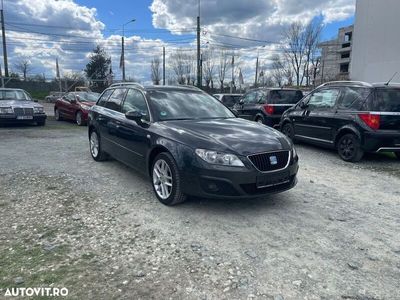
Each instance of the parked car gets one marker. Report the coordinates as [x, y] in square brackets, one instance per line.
[188, 143]
[266, 105]
[352, 117]
[75, 106]
[229, 100]
[17, 106]
[53, 96]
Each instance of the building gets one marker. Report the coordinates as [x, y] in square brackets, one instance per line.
[376, 46]
[336, 56]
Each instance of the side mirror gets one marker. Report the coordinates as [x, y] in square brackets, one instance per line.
[134, 115]
[35, 100]
[73, 101]
[303, 105]
[241, 101]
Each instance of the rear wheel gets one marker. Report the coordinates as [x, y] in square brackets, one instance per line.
[349, 148]
[397, 155]
[95, 147]
[288, 130]
[166, 180]
[57, 115]
[260, 120]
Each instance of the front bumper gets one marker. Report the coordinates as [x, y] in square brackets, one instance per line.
[13, 119]
[382, 141]
[241, 183]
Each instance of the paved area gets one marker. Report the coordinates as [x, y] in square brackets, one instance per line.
[97, 228]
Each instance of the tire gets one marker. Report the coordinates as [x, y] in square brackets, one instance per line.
[57, 115]
[349, 148]
[260, 120]
[41, 123]
[95, 147]
[288, 130]
[397, 155]
[165, 170]
[78, 119]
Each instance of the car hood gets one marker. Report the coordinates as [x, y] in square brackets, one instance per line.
[235, 135]
[19, 103]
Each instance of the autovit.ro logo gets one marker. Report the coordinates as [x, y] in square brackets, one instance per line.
[37, 292]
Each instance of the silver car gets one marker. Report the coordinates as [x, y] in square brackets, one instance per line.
[17, 106]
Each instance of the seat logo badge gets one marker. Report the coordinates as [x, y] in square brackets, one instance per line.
[273, 160]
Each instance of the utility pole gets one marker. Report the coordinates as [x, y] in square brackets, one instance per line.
[1, 76]
[163, 65]
[256, 78]
[3, 31]
[199, 83]
[123, 48]
[233, 72]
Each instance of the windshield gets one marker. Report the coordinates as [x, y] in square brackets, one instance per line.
[14, 95]
[285, 97]
[386, 100]
[186, 105]
[87, 97]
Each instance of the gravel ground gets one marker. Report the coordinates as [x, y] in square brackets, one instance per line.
[97, 228]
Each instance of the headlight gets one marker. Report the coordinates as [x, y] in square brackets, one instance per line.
[85, 107]
[6, 110]
[38, 110]
[218, 158]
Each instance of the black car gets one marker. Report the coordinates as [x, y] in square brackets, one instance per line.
[352, 117]
[266, 105]
[17, 106]
[189, 143]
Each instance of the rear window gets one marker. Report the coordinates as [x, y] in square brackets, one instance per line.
[285, 97]
[386, 100]
[354, 97]
[230, 100]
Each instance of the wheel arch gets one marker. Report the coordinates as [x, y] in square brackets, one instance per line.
[346, 130]
[157, 149]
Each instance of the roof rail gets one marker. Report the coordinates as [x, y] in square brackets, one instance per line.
[135, 84]
[357, 83]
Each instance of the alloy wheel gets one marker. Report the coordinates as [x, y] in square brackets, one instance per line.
[57, 115]
[79, 118]
[162, 179]
[347, 148]
[94, 144]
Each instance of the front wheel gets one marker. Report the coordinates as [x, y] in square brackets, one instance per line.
[79, 118]
[95, 147]
[288, 130]
[166, 180]
[41, 123]
[349, 148]
[57, 115]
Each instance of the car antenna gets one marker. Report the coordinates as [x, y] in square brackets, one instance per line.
[390, 80]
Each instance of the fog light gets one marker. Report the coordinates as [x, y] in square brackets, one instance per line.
[212, 187]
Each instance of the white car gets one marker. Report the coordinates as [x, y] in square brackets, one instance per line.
[228, 100]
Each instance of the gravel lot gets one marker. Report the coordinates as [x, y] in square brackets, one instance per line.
[97, 228]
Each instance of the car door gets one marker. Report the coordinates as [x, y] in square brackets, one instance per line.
[248, 106]
[64, 106]
[133, 137]
[316, 121]
[108, 118]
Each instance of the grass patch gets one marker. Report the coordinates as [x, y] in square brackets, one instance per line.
[39, 95]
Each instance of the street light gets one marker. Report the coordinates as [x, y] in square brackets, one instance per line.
[123, 48]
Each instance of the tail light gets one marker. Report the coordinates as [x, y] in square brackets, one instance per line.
[372, 121]
[269, 109]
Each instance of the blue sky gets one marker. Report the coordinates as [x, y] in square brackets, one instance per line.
[40, 31]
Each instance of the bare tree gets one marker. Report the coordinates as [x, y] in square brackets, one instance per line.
[278, 70]
[222, 68]
[178, 66]
[156, 71]
[24, 66]
[312, 35]
[295, 49]
[209, 68]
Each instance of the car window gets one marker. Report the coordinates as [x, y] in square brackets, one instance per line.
[353, 97]
[285, 96]
[134, 100]
[115, 100]
[229, 100]
[69, 97]
[250, 98]
[14, 95]
[323, 99]
[103, 99]
[261, 97]
[385, 100]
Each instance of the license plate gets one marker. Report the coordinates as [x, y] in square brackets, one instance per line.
[272, 180]
[24, 117]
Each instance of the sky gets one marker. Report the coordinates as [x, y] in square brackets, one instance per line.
[42, 30]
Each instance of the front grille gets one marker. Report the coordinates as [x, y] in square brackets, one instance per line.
[19, 111]
[272, 161]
